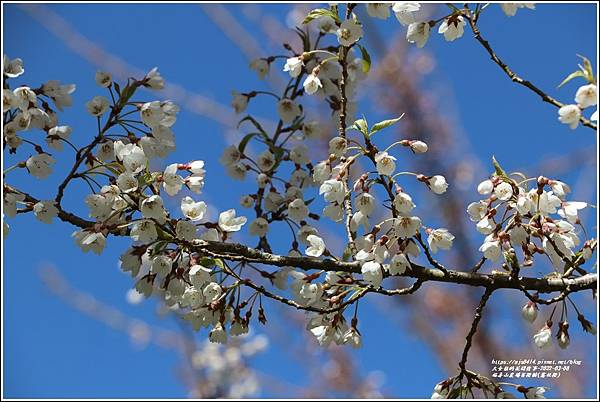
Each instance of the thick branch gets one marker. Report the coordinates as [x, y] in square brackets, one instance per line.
[239, 252]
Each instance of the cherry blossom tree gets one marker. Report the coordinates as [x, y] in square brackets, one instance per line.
[193, 264]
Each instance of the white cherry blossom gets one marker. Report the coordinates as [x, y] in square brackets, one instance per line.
[349, 32]
[97, 106]
[570, 114]
[404, 12]
[316, 246]
[192, 210]
[228, 222]
[45, 211]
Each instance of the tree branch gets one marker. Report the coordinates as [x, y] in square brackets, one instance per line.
[513, 76]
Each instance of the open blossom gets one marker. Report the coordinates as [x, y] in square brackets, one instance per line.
[133, 157]
[297, 210]
[333, 190]
[546, 203]
[45, 211]
[378, 10]
[569, 210]
[192, 210]
[477, 211]
[266, 160]
[25, 98]
[510, 9]
[385, 163]
[228, 222]
[259, 227]
[212, 292]
[569, 114]
[10, 203]
[440, 239]
[230, 155]
[403, 203]
[260, 66]
[503, 191]
[312, 83]
[316, 246]
[407, 226]
[338, 146]
[186, 230]
[518, 235]
[60, 94]
[144, 231]
[398, 264]
[349, 32]
[293, 65]
[40, 165]
[438, 184]
[543, 337]
[365, 203]
[372, 273]
[56, 134]
[535, 393]
[559, 188]
[171, 181]
[239, 102]
[326, 24]
[288, 110]
[13, 68]
[100, 206]
[154, 80]
[299, 154]
[404, 12]
[97, 106]
[453, 27]
[9, 100]
[491, 249]
[103, 79]
[218, 334]
[586, 96]
[153, 208]
[152, 113]
[90, 241]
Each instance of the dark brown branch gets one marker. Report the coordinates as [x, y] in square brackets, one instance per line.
[469, 340]
[239, 252]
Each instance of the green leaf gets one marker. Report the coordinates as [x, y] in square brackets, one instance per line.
[255, 123]
[578, 73]
[362, 126]
[498, 168]
[366, 65]
[384, 124]
[320, 12]
[587, 69]
[244, 141]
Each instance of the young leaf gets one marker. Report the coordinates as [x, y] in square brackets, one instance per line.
[498, 168]
[320, 12]
[362, 126]
[385, 123]
[366, 65]
[574, 74]
[244, 142]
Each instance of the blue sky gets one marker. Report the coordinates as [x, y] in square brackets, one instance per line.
[51, 350]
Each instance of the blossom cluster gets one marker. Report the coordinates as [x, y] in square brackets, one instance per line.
[527, 217]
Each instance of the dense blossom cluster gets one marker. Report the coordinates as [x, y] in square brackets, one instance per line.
[169, 257]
